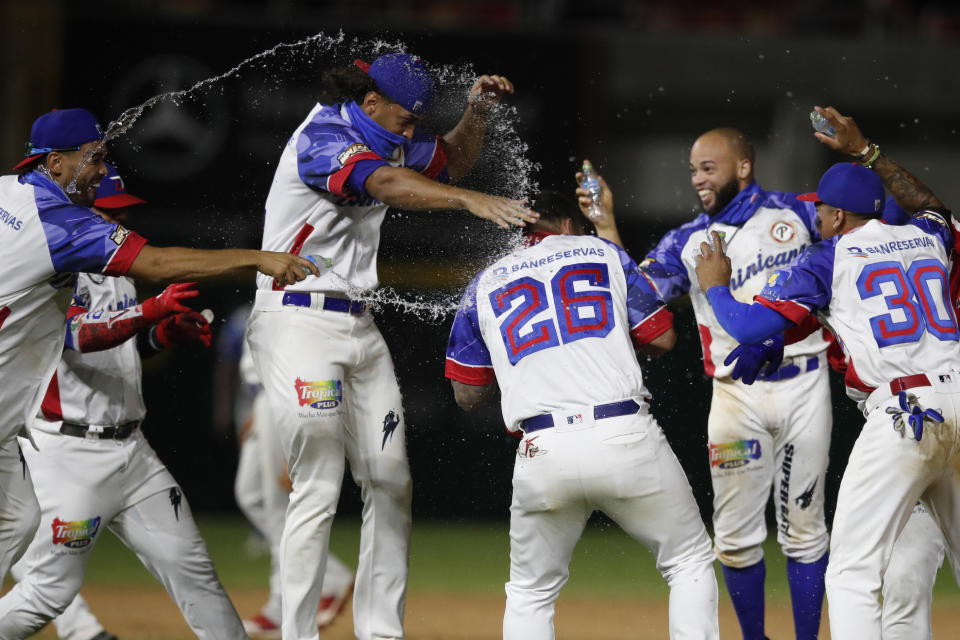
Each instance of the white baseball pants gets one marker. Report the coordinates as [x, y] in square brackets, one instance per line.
[84, 485]
[908, 581]
[888, 471]
[329, 379]
[76, 622]
[263, 500]
[624, 467]
[19, 509]
[770, 435]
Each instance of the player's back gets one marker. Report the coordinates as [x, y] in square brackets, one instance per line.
[556, 320]
[890, 301]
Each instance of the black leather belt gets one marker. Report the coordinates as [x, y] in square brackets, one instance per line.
[119, 432]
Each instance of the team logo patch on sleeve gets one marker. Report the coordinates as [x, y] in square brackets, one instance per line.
[935, 217]
[351, 151]
[119, 235]
[319, 394]
[75, 534]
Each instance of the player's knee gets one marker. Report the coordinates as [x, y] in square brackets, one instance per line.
[183, 556]
[26, 525]
[740, 557]
[806, 550]
[390, 481]
[904, 587]
[53, 599]
[246, 502]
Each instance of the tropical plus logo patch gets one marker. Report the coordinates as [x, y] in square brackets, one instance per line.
[731, 455]
[75, 534]
[319, 394]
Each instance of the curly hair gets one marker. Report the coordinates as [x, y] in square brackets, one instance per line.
[348, 83]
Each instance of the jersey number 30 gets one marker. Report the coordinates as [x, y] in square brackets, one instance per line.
[577, 314]
[920, 296]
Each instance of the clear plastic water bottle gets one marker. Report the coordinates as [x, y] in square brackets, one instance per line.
[821, 124]
[322, 263]
[590, 180]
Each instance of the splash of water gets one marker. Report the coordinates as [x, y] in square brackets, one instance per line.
[503, 167]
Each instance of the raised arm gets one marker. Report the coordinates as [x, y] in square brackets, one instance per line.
[909, 192]
[406, 189]
[606, 225]
[462, 143]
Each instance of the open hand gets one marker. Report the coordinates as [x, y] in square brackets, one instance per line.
[169, 301]
[847, 137]
[487, 91]
[713, 265]
[503, 211]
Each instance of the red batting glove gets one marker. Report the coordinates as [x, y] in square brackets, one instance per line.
[168, 302]
[183, 328]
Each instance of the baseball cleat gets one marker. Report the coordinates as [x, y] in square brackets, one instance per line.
[104, 635]
[260, 626]
[331, 606]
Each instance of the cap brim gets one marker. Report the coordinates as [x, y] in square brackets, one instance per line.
[26, 161]
[809, 197]
[118, 201]
[364, 66]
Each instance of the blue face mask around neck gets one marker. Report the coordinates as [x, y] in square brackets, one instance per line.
[381, 141]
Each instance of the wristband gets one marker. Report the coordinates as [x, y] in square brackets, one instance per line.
[868, 162]
[863, 153]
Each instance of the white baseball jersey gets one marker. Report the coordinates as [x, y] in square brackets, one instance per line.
[762, 231]
[101, 388]
[44, 240]
[563, 310]
[884, 292]
[318, 204]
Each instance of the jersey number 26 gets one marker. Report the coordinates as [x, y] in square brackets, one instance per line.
[577, 314]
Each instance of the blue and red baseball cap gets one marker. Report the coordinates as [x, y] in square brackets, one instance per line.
[404, 79]
[112, 192]
[851, 187]
[60, 130]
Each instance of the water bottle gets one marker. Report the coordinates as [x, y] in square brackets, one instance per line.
[590, 180]
[821, 124]
[323, 264]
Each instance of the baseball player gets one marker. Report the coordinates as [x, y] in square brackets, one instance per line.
[325, 368]
[555, 325]
[47, 234]
[919, 551]
[88, 430]
[760, 437]
[884, 292]
[262, 488]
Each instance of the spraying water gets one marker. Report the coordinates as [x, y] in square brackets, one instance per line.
[503, 167]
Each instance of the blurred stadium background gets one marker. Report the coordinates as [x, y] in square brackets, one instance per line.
[628, 84]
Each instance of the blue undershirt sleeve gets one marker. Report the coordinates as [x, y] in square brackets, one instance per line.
[746, 323]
